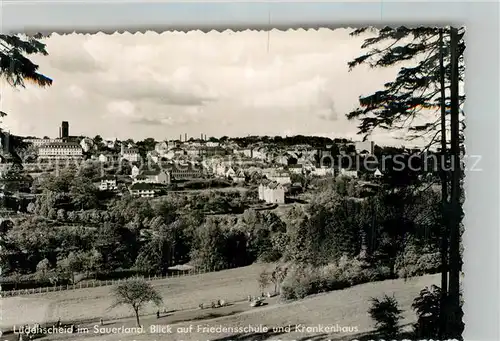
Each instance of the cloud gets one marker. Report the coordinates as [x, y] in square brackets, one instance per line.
[76, 59]
[213, 83]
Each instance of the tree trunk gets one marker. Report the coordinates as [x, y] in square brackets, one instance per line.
[455, 206]
[444, 196]
[136, 310]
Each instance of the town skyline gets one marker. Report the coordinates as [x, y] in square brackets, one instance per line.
[134, 86]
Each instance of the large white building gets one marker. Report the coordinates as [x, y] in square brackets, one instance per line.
[60, 150]
[272, 192]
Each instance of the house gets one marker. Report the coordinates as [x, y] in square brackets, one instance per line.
[230, 173]
[130, 153]
[135, 171]
[348, 173]
[272, 192]
[239, 177]
[281, 177]
[143, 189]
[108, 183]
[180, 172]
[108, 158]
[154, 156]
[296, 169]
[155, 176]
[211, 144]
[219, 170]
[161, 147]
[322, 171]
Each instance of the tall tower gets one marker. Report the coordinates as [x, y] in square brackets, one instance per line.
[64, 129]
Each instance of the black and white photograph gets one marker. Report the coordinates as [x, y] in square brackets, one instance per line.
[301, 184]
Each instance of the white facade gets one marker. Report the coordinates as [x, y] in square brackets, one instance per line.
[135, 171]
[107, 184]
[60, 150]
[272, 193]
[349, 173]
[131, 156]
[322, 171]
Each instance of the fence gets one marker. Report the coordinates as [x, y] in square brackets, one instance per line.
[100, 283]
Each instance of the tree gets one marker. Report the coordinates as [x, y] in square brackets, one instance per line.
[135, 293]
[264, 280]
[387, 315]
[15, 67]
[411, 102]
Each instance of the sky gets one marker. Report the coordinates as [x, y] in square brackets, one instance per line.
[217, 83]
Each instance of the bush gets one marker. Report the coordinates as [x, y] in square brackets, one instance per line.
[302, 281]
[417, 262]
[386, 314]
[427, 306]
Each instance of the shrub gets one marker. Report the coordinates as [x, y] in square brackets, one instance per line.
[302, 281]
[386, 314]
[417, 262]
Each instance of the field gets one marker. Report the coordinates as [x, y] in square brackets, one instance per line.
[92, 303]
[345, 310]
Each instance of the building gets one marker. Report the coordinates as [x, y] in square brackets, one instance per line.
[322, 171]
[108, 183]
[272, 192]
[130, 154]
[239, 177]
[348, 173]
[64, 130]
[281, 177]
[108, 158]
[296, 169]
[143, 190]
[155, 176]
[60, 150]
[181, 172]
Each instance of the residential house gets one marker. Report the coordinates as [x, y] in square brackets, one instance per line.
[271, 192]
[211, 144]
[281, 177]
[162, 147]
[135, 171]
[154, 156]
[143, 189]
[130, 153]
[296, 169]
[322, 171]
[108, 183]
[108, 158]
[240, 176]
[154, 176]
